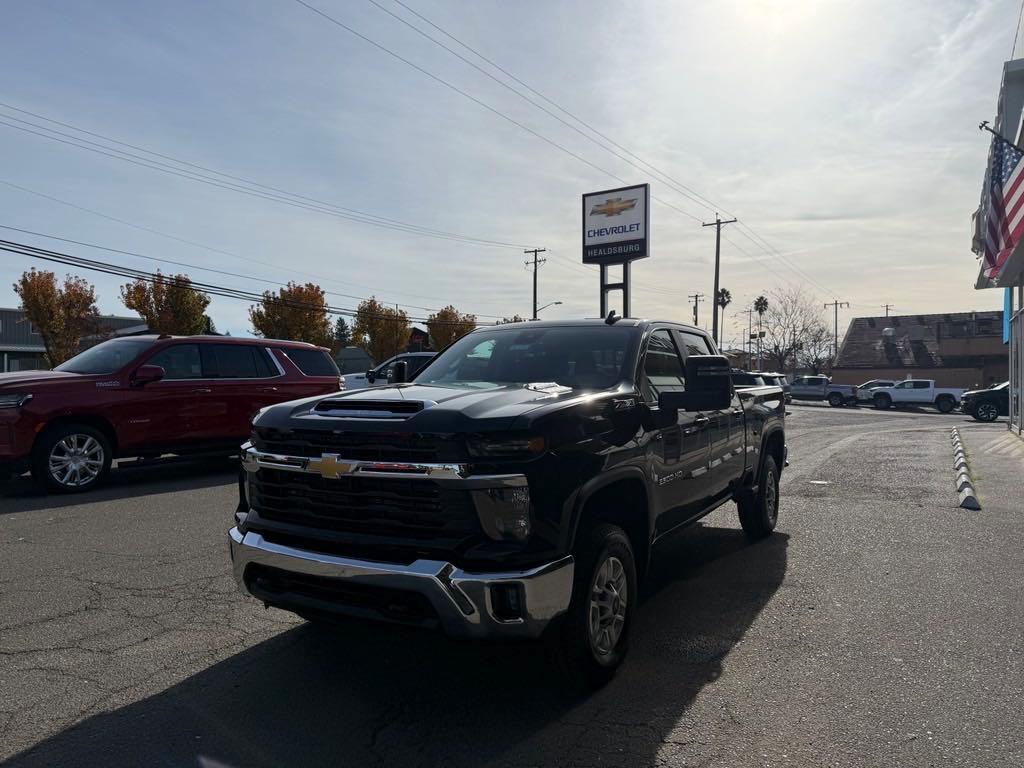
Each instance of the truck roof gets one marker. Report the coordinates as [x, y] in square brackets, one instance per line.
[629, 322]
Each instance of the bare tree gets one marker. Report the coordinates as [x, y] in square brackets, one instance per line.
[790, 321]
[816, 350]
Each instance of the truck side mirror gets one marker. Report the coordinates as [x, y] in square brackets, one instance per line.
[399, 372]
[145, 374]
[708, 386]
[370, 376]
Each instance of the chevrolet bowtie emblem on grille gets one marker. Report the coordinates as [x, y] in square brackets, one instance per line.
[329, 467]
[613, 207]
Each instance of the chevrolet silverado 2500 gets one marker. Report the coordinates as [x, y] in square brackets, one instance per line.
[519, 486]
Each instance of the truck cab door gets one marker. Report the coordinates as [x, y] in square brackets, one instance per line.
[726, 428]
[677, 449]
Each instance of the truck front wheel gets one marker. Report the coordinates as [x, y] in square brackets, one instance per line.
[593, 638]
[945, 404]
[835, 399]
[759, 512]
[882, 401]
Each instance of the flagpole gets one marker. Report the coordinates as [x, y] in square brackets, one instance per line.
[984, 126]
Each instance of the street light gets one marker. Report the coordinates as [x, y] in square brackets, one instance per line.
[552, 304]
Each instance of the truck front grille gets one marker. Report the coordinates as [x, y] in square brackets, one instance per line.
[360, 446]
[391, 507]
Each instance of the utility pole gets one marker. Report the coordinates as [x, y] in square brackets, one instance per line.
[697, 298]
[835, 328]
[750, 334]
[887, 307]
[718, 223]
[536, 263]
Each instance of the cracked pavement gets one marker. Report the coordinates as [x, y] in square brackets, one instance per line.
[880, 626]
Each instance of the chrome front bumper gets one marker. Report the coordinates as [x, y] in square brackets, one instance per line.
[462, 601]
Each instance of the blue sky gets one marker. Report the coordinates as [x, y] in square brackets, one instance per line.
[843, 133]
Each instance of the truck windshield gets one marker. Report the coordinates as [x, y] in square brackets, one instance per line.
[108, 357]
[594, 357]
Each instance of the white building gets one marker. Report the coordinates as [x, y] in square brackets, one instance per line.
[1008, 124]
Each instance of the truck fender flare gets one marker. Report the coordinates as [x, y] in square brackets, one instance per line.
[574, 507]
[762, 452]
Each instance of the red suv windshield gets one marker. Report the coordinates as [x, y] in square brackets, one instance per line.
[108, 357]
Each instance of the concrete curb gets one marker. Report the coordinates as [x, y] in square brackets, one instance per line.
[964, 483]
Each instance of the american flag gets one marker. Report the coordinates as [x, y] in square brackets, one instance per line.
[1005, 220]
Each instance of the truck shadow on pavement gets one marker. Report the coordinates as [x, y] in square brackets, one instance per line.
[166, 475]
[365, 695]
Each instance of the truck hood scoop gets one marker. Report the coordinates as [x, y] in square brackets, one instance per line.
[357, 408]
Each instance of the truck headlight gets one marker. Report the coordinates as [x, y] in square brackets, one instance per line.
[504, 512]
[14, 399]
[487, 446]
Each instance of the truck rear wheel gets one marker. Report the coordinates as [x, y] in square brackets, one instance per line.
[593, 637]
[835, 399]
[759, 512]
[945, 404]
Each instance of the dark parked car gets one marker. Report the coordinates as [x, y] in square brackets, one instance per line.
[779, 380]
[520, 486]
[145, 396]
[745, 379]
[987, 404]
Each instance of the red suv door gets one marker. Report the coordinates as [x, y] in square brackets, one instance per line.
[241, 379]
[169, 413]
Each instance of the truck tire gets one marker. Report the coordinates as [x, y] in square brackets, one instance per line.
[945, 403]
[759, 512]
[835, 400]
[592, 638]
[882, 401]
[986, 412]
[71, 458]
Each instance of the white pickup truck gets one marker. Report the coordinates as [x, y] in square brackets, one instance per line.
[822, 388]
[917, 392]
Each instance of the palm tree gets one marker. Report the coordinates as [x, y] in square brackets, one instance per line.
[724, 299]
[760, 306]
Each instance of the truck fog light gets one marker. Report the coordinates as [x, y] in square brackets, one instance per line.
[507, 601]
[504, 512]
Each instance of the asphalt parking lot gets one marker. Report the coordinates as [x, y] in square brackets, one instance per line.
[881, 625]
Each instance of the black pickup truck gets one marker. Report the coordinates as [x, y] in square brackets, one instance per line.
[519, 486]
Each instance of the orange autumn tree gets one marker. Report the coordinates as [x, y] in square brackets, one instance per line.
[448, 324]
[61, 314]
[168, 304]
[381, 330]
[296, 312]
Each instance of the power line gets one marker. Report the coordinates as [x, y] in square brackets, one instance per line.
[665, 178]
[481, 103]
[196, 244]
[214, 289]
[233, 183]
[187, 265]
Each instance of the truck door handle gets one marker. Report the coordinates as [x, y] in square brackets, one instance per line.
[701, 421]
[270, 389]
[202, 391]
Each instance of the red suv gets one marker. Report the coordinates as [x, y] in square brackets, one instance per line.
[148, 395]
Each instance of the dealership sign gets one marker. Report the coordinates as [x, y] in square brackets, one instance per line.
[616, 225]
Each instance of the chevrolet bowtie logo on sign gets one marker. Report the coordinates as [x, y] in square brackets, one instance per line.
[329, 467]
[615, 225]
[613, 207]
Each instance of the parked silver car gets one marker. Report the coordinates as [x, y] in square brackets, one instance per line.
[377, 377]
